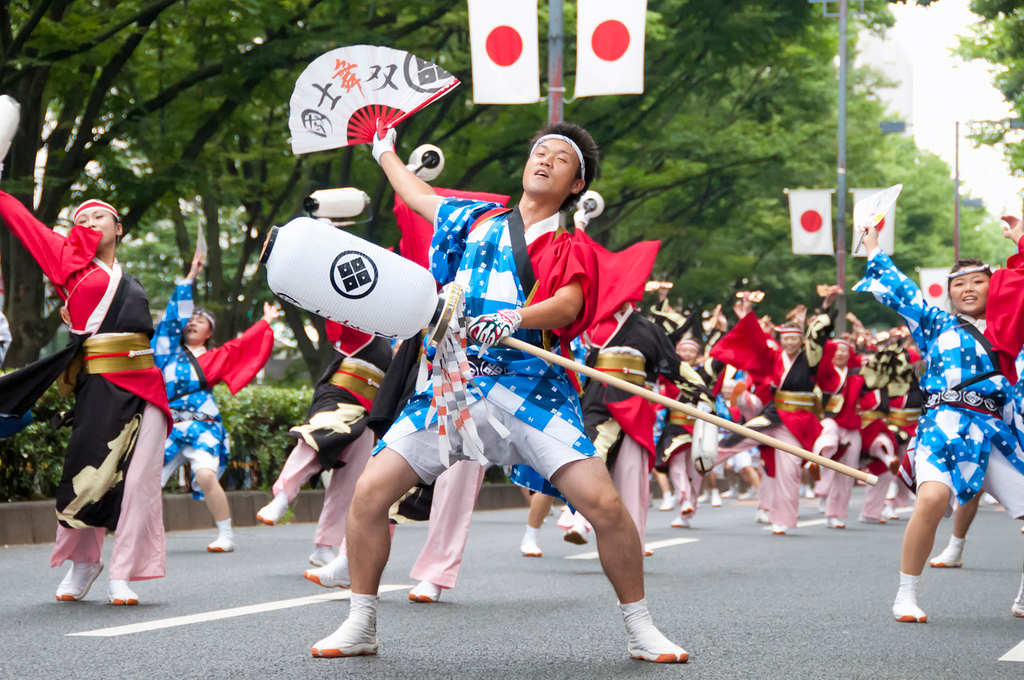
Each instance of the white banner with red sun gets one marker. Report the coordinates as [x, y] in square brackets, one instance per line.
[504, 51]
[810, 218]
[610, 47]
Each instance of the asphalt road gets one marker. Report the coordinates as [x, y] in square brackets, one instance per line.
[744, 603]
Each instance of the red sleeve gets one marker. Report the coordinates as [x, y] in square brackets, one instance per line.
[745, 346]
[237, 362]
[1005, 315]
[565, 260]
[58, 256]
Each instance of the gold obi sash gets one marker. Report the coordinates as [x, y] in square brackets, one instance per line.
[835, 403]
[795, 401]
[868, 417]
[358, 378]
[116, 353]
[626, 366]
[679, 418]
[904, 417]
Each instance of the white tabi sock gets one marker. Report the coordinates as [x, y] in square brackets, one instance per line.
[645, 641]
[905, 608]
[224, 529]
[957, 544]
[357, 635]
[908, 588]
[531, 533]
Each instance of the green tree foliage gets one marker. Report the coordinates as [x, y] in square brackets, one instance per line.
[176, 112]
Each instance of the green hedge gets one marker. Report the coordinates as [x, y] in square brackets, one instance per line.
[257, 420]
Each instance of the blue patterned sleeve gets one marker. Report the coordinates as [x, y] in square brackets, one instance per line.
[1018, 389]
[452, 223]
[168, 334]
[894, 290]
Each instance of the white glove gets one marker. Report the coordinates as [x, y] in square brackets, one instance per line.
[382, 144]
[489, 329]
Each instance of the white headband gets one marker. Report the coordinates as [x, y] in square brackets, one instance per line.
[970, 270]
[579, 154]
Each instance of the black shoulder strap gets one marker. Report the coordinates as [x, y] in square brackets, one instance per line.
[194, 360]
[517, 234]
[109, 324]
[981, 339]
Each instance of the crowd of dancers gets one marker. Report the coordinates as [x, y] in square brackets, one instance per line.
[932, 408]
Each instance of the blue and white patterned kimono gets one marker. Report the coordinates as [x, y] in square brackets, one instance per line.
[535, 392]
[957, 441]
[188, 400]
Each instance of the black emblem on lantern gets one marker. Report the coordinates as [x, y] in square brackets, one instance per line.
[353, 274]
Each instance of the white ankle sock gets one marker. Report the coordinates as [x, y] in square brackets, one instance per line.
[957, 543]
[635, 615]
[1020, 593]
[364, 608]
[224, 529]
[531, 533]
[908, 588]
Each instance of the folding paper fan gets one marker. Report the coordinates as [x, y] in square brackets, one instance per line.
[341, 95]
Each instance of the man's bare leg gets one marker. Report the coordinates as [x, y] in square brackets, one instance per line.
[588, 487]
[386, 479]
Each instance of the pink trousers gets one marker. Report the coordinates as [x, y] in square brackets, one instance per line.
[631, 478]
[781, 495]
[874, 497]
[837, 488]
[140, 547]
[451, 512]
[684, 476]
[302, 464]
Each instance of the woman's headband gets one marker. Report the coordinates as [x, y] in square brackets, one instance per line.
[94, 203]
[971, 270]
[563, 138]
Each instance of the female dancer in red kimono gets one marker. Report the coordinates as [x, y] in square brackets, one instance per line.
[111, 476]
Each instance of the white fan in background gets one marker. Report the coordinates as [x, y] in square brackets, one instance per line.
[870, 211]
[341, 95]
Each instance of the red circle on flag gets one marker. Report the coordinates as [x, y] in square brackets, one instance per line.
[881, 225]
[811, 221]
[935, 290]
[610, 40]
[504, 45]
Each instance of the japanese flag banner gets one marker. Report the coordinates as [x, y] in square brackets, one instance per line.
[886, 227]
[810, 219]
[610, 47]
[933, 286]
[504, 51]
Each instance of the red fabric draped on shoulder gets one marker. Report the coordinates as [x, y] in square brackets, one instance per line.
[346, 339]
[559, 261]
[1005, 312]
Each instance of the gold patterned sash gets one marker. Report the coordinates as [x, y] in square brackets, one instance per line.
[795, 401]
[358, 378]
[629, 367]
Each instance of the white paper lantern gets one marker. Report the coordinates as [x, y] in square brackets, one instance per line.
[10, 116]
[331, 273]
[336, 203]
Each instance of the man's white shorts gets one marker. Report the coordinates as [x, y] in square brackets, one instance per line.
[1002, 480]
[525, 445]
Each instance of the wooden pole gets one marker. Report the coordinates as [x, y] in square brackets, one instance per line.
[691, 411]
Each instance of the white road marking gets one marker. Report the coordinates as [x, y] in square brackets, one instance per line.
[805, 523]
[654, 545]
[1015, 654]
[224, 613]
